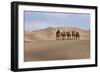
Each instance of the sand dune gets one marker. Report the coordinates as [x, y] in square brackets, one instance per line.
[42, 45]
[50, 33]
[57, 50]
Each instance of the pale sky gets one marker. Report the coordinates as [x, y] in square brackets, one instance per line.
[35, 20]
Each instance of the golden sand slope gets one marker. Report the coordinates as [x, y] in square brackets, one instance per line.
[57, 50]
[41, 45]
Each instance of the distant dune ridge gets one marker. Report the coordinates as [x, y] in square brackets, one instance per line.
[50, 33]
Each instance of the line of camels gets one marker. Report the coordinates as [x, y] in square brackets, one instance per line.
[69, 35]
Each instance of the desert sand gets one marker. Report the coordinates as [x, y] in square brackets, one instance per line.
[41, 45]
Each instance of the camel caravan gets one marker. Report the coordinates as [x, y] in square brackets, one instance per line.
[69, 35]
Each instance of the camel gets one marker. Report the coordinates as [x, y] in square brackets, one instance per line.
[77, 35]
[58, 34]
[63, 34]
[68, 35]
[73, 34]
